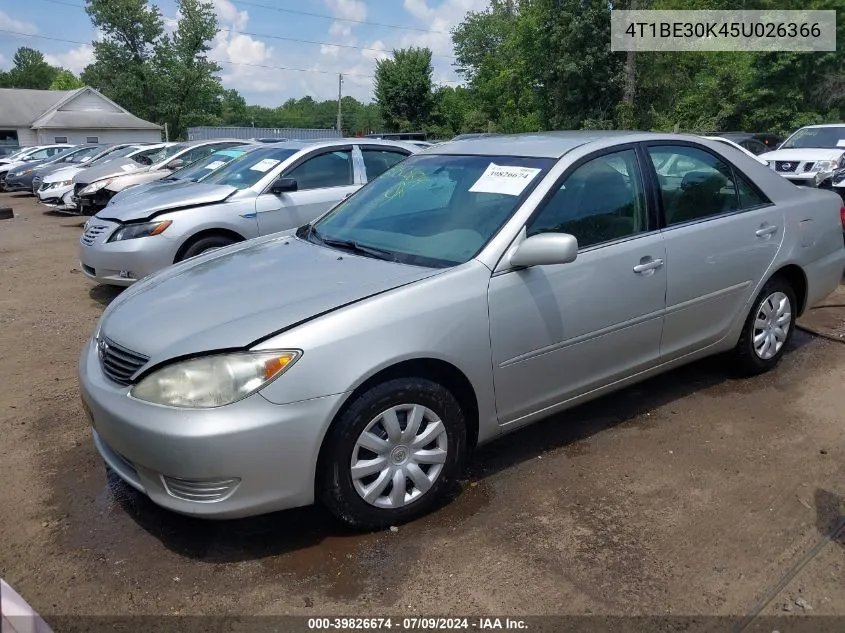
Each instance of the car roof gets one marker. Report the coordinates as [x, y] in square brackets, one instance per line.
[548, 144]
[335, 142]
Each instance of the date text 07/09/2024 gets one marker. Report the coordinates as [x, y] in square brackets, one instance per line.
[415, 624]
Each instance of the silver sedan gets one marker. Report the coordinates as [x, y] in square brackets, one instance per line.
[269, 189]
[474, 288]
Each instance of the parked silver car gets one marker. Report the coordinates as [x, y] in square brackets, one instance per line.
[94, 190]
[194, 172]
[276, 187]
[476, 287]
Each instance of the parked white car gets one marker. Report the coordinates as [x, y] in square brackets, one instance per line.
[811, 155]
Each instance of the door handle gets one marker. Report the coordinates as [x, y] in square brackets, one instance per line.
[766, 231]
[650, 264]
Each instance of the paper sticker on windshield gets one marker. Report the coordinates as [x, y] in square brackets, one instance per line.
[128, 167]
[215, 164]
[265, 165]
[505, 179]
[840, 142]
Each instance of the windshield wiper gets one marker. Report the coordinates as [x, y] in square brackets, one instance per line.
[353, 246]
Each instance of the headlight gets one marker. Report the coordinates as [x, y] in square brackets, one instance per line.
[95, 186]
[825, 165]
[64, 183]
[132, 231]
[213, 381]
[18, 174]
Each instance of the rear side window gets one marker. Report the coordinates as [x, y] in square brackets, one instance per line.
[332, 169]
[694, 184]
[378, 161]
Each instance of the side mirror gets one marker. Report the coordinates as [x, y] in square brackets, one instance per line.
[176, 163]
[283, 185]
[545, 249]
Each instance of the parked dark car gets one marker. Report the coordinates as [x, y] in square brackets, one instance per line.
[754, 142]
[23, 178]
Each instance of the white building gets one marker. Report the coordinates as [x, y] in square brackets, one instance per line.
[36, 117]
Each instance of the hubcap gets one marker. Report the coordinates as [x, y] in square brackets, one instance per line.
[771, 325]
[399, 456]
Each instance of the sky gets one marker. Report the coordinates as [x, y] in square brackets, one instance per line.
[346, 40]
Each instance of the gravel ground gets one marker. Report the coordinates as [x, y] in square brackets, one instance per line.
[694, 493]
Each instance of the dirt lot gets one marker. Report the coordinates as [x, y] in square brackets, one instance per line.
[694, 493]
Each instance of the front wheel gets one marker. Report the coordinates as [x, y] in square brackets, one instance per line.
[392, 454]
[768, 328]
[206, 244]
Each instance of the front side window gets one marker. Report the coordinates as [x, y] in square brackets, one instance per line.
[377, 161]
[694, 184]
[602, 200]
[245, 171]
[331, 169]
[431, 210]
[150, 156]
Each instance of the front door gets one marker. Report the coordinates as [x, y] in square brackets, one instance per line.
[323, 179]
[721, 234]
[563, 330]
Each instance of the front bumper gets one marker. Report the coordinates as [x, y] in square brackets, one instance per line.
[91, 203]
[20, 183]
[122, 263]
[57, 197]
[267, 453]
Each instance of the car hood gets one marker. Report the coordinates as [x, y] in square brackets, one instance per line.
[178, 196]
[116, 167]
[12, 166]
[32, 164]
[65, 173]
[803, 154]
[133, 193]
[136, 178]
[229, 299]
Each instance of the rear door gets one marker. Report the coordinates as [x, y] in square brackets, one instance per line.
[721, 234]
[324, 177]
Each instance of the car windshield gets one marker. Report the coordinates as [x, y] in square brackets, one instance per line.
[437, 210]
[244, 172]
[167, 153]
[85, 154]
[817, 137]
[204, 167]
[112, 154]
[154, 155]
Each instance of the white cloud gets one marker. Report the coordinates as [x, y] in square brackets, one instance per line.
[8, 23]
[328, 49]
[75, 60]
[419, 9]
[229, 14]
[348, 9]
[340, 29]
[380, 53]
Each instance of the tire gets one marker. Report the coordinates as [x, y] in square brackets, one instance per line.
[408, 398]
[750, 360]
[205, 244]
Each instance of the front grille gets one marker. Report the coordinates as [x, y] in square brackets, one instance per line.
[808, 166]
[202, 491]
[92, 233]
[785, 166]
[118, 363]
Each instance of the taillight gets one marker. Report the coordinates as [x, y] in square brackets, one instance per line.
[842, 217]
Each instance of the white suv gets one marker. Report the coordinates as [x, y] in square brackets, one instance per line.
[811, 155]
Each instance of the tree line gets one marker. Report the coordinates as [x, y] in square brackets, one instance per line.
[527, 65]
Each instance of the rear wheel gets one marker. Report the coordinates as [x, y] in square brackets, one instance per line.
[392, 455]
[768, 328]
[205, 244]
